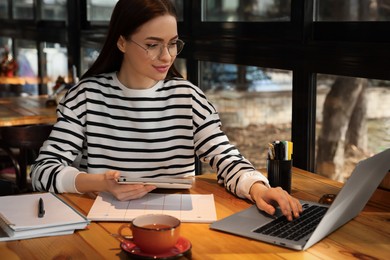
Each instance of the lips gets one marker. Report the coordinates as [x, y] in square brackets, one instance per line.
[161, 69]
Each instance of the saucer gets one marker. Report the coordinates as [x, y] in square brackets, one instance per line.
[181, 249]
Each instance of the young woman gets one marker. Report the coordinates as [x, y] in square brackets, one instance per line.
[132, 112]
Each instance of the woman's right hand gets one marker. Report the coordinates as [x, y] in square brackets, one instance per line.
[125, 192]
[108, 182]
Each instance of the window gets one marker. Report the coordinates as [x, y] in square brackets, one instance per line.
[336, 10]
[351, 123]
[180, 65]
[88, 57]
[54, 10]
[27, 59]
[56, 57]
[100, 10]
[254, 104]
[5, 45]
[23, 9]
[246, 11]
[3, 9]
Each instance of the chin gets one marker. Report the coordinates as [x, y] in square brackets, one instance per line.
[160, 77]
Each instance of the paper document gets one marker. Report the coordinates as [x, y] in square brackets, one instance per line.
[186, 207]
[19, 216]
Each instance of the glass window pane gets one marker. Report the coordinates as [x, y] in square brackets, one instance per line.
[353, 122]
[56, 57]
[27, 58]
[54, 10]
[8, 65]
[245, 11]
[180, 65]
[8, 70]
[179, 5]
[3, 9]
[100, 10]
[88, 57]
[336, 10]
[254, 104]
[5, 45]
[23, 9]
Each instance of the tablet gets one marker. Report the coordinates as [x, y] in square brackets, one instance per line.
[164, 183]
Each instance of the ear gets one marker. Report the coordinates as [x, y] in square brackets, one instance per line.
[121, 43]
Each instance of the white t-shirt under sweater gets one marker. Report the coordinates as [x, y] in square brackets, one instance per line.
[153, 132]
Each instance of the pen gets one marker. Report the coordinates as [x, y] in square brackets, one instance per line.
[41, 208]
[277, 149]
[271, 151]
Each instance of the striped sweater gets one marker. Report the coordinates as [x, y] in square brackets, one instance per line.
[153, 132]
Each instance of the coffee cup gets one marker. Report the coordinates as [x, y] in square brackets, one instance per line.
[153, 233]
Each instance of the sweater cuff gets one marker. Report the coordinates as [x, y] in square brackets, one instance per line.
[247, 179]
[66, 180]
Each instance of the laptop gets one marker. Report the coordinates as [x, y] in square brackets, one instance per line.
[324, 219]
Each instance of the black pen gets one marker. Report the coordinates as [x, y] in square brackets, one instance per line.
[41, 208]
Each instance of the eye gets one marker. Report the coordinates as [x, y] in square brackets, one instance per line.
[172, 44]
[152, 45]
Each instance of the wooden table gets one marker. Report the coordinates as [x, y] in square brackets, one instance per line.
[365, 237]
[21, 80]
[26, 110]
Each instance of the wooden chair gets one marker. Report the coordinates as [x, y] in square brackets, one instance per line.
[27, 139]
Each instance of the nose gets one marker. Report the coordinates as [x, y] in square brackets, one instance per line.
[164, 53]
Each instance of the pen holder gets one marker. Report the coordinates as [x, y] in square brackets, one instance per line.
[279, 174]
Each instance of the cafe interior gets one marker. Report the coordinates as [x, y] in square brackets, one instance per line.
[314, 72]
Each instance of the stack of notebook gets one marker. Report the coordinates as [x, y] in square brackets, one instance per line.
[37, 215]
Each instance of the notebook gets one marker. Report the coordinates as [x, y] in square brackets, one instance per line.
[351, 199]
[19, 217]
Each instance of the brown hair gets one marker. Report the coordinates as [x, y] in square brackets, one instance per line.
[126, 18]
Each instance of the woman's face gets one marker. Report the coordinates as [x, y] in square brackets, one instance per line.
[141, 69]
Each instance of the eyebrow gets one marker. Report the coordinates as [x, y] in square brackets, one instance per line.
[161, 40]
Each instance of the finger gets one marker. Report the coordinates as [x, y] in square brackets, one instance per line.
[295, 206]
[263, 205]
[112, 175]
[284, 202]
[135, 192]
[298, 206]
[117, 175]
[134, 195]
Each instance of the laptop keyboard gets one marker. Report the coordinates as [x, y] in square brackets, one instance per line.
[297, 228]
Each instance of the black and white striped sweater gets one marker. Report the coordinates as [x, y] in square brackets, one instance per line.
[153, 132]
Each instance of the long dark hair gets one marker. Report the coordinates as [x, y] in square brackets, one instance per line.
[127, 16]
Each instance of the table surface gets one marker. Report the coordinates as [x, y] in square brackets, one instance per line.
[365, 237]
[26, 111]
[21, 80]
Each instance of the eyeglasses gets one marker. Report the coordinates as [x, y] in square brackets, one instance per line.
[155, 50]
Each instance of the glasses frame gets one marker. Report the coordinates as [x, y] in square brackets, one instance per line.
[162, 46]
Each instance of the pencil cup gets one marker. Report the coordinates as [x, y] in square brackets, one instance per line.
[279, 174]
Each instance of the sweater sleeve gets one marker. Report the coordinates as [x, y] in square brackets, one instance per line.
[233, 170]
[53, 171]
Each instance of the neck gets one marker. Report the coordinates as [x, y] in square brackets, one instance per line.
[132, 83]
